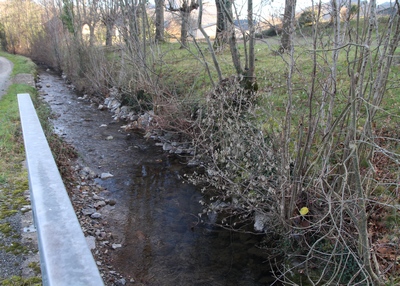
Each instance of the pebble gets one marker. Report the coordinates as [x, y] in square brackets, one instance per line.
[25, 208]
[91, 242]
[167, 147]
[97, 198]
[99, 204]
[116, 245]
[88, 211]
[120, 282]
[104, 176]
[95, 215]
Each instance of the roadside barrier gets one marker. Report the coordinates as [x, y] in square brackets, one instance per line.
[65, 258]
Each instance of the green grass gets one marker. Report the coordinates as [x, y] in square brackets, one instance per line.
[21, 64]
[13, 176]
[6, 229]
[35, 266]
[11, 145]
[19, 281]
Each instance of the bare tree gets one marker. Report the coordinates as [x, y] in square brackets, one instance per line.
[185, 7]
[109, 13]
[228, 8]
[221, 34]
[310, 180]
[20, 37]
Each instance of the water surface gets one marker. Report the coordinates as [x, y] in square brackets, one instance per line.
[156, 215]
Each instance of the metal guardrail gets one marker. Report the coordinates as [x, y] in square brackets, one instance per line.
[65, 257]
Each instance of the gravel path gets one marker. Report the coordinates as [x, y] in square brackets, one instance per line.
[5, 71]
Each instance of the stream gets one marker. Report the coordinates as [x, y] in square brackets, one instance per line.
[155, 217]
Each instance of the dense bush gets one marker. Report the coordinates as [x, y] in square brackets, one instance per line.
[270, 32]
[240, 159]
[306, 18]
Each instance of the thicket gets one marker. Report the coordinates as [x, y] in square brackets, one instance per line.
[311, 158]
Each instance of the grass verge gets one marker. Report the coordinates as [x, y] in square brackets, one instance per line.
[13, 174]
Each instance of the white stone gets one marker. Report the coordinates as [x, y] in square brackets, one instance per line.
[167, 147]
[88, 211]
[97, 198]
[96, 215]
[104, 176]
[260, 221]
[91, 242]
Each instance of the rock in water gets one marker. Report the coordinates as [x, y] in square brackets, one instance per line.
[106, 176]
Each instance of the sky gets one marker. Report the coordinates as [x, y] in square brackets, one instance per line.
[300, 3]
[263, 7]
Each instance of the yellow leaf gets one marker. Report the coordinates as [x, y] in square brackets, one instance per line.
[304, 210]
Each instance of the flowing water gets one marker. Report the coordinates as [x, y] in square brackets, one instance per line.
[156, 215]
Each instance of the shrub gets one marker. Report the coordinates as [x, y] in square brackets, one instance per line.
[270, 32]
[239, 158]
[306, 18]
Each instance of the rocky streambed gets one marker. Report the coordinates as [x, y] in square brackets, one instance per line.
[140, 218]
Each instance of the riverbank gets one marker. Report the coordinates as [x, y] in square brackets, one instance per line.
[19, 256]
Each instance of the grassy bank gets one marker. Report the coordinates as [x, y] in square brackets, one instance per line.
[13, 175]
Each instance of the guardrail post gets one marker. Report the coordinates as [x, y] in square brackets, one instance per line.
[64, 254]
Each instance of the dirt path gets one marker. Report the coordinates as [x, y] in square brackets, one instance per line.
[5, 71]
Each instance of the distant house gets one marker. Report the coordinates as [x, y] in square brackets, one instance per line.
[386, 9]
[172, 22]
[209, 23]
[241, 24]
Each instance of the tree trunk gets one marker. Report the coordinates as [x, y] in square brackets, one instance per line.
[92, 37]
[185, 9]
[185, 14]
[159, 20]
[288, 18]
[109, 32]
[251, 67]
[232, 40]
[222, 23]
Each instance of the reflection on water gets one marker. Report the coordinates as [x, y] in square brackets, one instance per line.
[156, 214]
